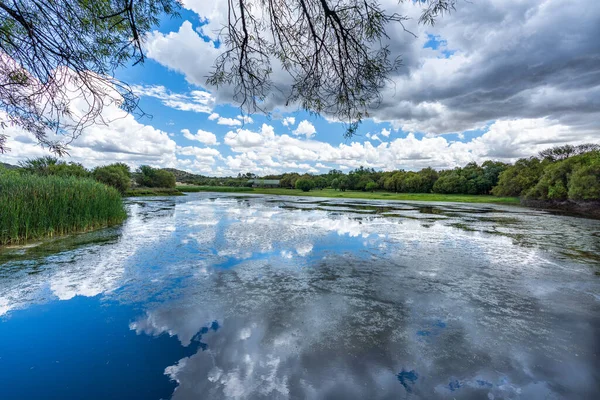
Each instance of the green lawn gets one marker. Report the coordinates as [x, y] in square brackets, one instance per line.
[460, 198]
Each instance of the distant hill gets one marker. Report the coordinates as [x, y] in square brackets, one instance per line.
[184, 176]
[8, 166]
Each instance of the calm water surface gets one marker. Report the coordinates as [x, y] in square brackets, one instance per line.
[237, 297]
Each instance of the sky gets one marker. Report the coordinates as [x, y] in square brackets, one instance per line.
[496, 79]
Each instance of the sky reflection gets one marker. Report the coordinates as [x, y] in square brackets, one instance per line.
[284, 298]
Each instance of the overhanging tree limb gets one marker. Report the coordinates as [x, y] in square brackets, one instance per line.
[53, 53]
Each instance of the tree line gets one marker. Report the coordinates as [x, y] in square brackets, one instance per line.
[558, 173]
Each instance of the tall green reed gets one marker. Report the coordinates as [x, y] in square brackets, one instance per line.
[33, 207]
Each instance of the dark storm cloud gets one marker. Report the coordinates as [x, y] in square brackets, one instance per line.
[528, 60]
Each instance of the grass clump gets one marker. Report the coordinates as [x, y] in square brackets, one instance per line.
[33, 207]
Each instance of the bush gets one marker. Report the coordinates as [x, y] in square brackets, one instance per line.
[320, 182]
[450, 183]
[34, 206]
[46, 166]
[70, 169]
[371, 186]
[289, 180]
[584, 183]
[304, 184]
[517, 179]
[553, 183]
[344, 183]
[115, 175]
[152, 177]
[575, 177]
[335, 183]
[428, 178]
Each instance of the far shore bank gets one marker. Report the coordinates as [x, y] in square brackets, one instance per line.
[331, 193]
[587, 209]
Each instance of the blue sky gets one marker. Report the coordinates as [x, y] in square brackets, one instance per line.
[493, 80]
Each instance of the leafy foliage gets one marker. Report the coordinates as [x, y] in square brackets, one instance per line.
[563, 152]
[517, 179]
[450, 182]
[304, 184]
[574, 178]
[584, 183]
[153, 177]
[371, 186]
[116, 175]
[567, 173]
[45, 166]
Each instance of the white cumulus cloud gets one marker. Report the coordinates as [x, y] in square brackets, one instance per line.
[305, 128]
[288, 121]
[229, 121]
[201, 136]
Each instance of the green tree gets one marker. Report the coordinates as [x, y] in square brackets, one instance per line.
[412, 183]
[69, 169]
[38, 166]
[398, 181]
[566, 178]
[428, 178]
[473, 175]
[491, 175]
[559, 153]
[389, 183]
[305, 184]
[517, 179]
[451, 182]
[553, 184]
[344, 183]
[584, 183]
[335, 183]
[362, 182]
[320, 182]
[47, 165]
[152, 177]
[288, 180]
[115, 175]
[371, 186]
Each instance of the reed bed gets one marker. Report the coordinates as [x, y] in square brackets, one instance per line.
[33, 207]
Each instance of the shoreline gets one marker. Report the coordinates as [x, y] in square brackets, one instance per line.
[586, 209]
[330, 193]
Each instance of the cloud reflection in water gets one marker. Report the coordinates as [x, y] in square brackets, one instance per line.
[347, 299]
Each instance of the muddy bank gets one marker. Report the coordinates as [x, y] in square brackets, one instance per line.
[588, 209]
